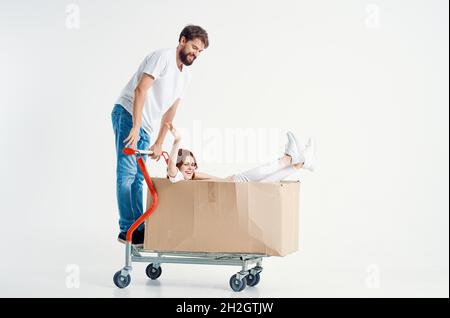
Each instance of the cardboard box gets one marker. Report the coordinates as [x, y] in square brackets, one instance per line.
[224, 217]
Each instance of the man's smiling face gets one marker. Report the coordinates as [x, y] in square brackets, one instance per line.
[190, 50]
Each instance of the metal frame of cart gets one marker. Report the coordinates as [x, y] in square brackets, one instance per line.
[248, 276]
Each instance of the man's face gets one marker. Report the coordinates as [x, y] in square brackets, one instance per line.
[190, 50]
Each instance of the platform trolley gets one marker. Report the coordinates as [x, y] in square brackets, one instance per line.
[251, 264]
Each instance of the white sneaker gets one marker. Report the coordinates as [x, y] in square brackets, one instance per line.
[309, 154]
[294, 149]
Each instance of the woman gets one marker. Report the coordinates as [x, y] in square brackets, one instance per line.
[183, 165]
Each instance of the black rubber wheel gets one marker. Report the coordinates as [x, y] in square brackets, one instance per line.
[237, 284]
[120, 280]
[153, 272]
[253, 280]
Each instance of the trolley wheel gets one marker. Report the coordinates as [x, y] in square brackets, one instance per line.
[153, 272]
[120, 280]
[253, 280]
[237, 284]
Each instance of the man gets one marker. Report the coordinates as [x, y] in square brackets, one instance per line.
[154, 92]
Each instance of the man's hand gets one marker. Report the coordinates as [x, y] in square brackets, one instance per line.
[132, 138]
[157, 151]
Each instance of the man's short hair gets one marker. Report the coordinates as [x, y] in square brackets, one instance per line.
[191, 32]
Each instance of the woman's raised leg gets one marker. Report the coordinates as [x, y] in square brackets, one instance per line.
[283, 173]
[263, 171]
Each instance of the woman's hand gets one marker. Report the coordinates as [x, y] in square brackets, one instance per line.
[174, 132]
[172, 169]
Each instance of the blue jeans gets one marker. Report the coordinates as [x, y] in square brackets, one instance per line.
[129, 176]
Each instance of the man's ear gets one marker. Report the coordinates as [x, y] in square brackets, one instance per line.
[182, 40]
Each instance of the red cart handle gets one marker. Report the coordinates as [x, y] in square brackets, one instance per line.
[151, 187]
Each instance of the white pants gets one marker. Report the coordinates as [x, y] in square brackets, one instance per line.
[273, 171]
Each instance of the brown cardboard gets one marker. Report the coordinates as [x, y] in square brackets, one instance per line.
[224, 217]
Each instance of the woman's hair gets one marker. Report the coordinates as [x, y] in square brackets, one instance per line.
[182, 154]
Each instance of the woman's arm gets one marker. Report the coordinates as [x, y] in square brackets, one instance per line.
[204, 176]
[172, 168]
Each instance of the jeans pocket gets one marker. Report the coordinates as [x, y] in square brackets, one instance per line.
[114, 121]
[117, 110]
[115, 114]
[144, 136]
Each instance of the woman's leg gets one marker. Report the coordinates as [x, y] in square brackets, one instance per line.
[264, 171]
[283, 173]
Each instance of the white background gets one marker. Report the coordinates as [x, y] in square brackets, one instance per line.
[367, 79]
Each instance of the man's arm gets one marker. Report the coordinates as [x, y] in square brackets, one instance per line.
[168, 117]
[143, 86]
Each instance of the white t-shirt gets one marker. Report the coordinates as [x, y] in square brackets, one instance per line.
[178, 177]
[170, 83]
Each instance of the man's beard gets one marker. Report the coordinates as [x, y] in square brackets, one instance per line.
[184, 58]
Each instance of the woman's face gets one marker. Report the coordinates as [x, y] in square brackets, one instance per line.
[188, 167]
